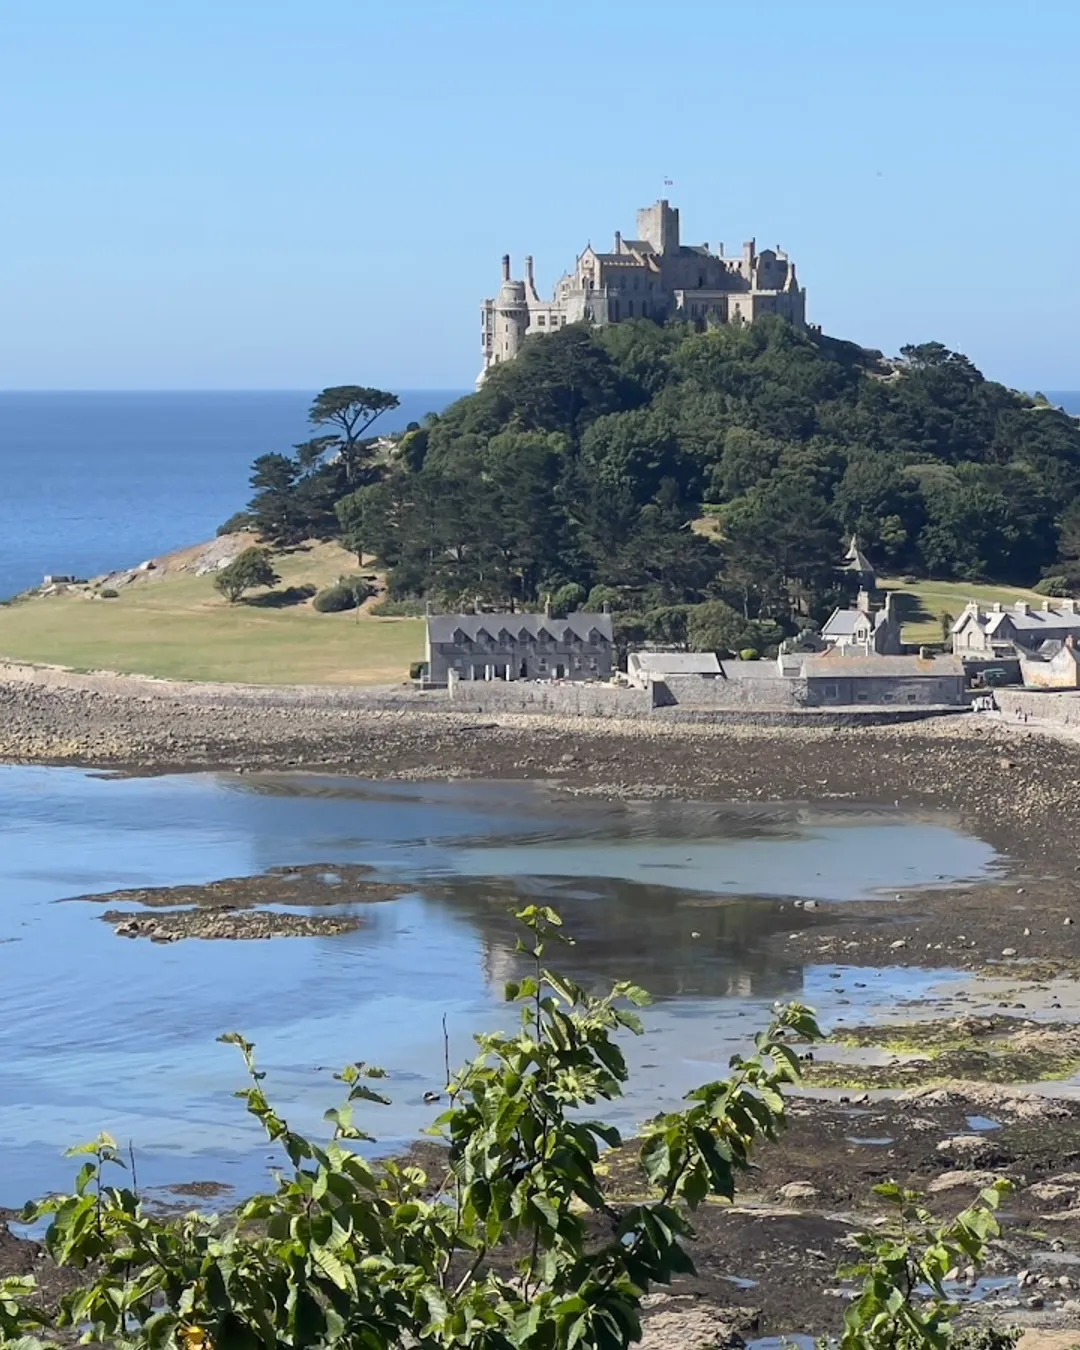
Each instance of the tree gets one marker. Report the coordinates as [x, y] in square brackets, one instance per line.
[249, 569]
[567, 599]
[352, 409]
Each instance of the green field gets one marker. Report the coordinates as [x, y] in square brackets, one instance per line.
[178, 627]
[922, 603]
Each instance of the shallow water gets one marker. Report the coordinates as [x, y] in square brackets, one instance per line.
[101, 1033]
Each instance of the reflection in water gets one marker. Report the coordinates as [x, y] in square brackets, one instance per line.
[100, 1033]
[673, 943]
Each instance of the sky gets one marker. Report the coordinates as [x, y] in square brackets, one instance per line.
[295, 193]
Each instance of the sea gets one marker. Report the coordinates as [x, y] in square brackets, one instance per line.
[93, 482]
[688, 899]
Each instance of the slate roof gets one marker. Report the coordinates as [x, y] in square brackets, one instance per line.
[750, 670]
[830, 665]
[676, 663]
[1039, 620]
[842, 622]
[442, 627]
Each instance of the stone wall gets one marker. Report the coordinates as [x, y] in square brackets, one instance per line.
[540, 696]
[691, 691]
[1056, 708]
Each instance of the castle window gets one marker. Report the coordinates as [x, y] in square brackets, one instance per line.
[541, 321]
[630, 309]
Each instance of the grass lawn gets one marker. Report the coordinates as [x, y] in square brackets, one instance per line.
[922, 604]
[179, 627]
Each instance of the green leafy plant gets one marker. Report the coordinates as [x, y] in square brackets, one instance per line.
[906, 1268]
[249, 569]
[512, 1244]
[346, 593]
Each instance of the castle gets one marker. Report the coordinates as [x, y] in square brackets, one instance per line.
[654, 276]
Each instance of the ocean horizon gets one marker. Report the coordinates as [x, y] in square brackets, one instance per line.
[100, 480]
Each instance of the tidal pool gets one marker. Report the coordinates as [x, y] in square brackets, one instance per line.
[102, 1033]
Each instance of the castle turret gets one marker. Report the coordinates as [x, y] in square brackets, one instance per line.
[511, 316]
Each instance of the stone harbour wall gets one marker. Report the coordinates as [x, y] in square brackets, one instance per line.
[567, 700]
[1058, 708]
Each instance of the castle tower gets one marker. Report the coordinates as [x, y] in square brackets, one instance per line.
[659, 226]
[511, 316]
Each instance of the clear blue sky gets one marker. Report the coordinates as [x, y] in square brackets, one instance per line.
[277, 194]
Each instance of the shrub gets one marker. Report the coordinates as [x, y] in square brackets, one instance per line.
[108, 593]
[343, 1254]
[345, 593]
[417, 670]
[1058, 587]
[749, 654]
[567, 599]
[237, 523]
[254, 567]
[407, 608]
[910, 580]
[600, 596]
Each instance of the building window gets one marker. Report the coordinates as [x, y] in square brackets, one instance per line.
[541, 321]
[630, 309]
[829, 691]
[541, 664]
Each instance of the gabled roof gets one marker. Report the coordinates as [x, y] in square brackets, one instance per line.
[442, 627]
[843, 622]
[676, 663]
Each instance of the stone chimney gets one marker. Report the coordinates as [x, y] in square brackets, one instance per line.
[1046, 606]
[529, 269]
[863, 601]
[1068, 606]
[618, 242]
[996, 607]
[1022, 607]
[506, 267]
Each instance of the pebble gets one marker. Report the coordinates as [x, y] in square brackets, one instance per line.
[1008, 951]
[900, 942]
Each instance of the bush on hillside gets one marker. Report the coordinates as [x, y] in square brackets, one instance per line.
[108, 593]
[345, 593]
[749, 654]
[567, 599]
[252, 568]
[1057, 586]
[236, 524]
[406, 608]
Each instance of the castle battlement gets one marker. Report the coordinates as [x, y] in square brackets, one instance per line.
[653, 276]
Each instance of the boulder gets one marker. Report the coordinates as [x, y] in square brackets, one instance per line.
[798, 1190]
[950, 1181]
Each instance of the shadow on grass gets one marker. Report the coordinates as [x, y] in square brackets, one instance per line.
[291, 595]
[910, 608]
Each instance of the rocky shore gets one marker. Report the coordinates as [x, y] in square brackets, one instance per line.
[1018, 933]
